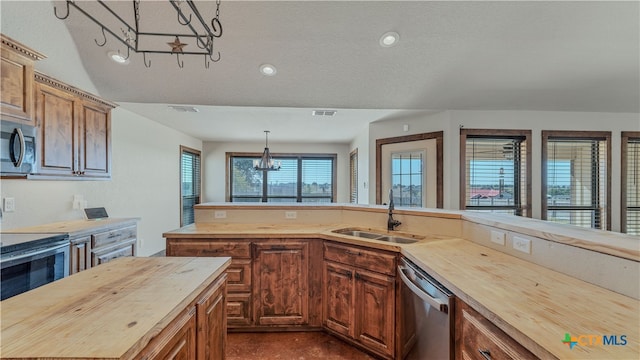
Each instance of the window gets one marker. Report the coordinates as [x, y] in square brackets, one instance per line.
[631, 182]
[189, 184]
[407, 178]
[353, 177]
[494, 171]
[576, 178]
[302, 178]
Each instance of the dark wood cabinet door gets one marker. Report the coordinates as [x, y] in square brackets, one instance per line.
[375, 316]
[95, 141]
[56, 115]
[176, 342]
[281, 289]
[212, 322]
[338, 299]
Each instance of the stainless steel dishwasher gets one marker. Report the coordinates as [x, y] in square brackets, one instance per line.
[432, 307]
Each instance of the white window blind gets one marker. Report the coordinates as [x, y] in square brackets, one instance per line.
[496, 174]
[190, 185]
[632, 188]
[317, 180]
[576, 182]
[353, 177]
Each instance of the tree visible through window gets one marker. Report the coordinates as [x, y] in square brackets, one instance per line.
[407, 178]
[301, 178]
[494, 171]
[189, 184]
[575, 179]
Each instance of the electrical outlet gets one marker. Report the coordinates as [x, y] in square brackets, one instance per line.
[522, 244]
[290, 214]
[9, 204]
[220, 214]
[498, 237]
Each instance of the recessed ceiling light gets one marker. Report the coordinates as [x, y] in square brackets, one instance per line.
[389, 39]
[268, 69]
[118, 58]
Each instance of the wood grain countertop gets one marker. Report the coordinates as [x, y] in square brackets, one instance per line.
[75, 227]
[534, 305]
[111, 311]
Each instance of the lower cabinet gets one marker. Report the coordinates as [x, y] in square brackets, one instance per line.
[281, 276]
[102, 245]
[478, 338]
[199, 332]
[80, 254]
[359, 304]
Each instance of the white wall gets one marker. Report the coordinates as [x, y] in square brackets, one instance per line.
[145, 180]
[214, 158]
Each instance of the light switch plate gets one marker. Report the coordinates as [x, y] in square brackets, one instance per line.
[498, 237]
[522, 244]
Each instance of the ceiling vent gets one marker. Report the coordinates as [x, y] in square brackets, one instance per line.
[184, 109]
[324, 112]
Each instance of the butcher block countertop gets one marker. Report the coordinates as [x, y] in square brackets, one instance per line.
[76, 227]
[111, 311]
[534, 305]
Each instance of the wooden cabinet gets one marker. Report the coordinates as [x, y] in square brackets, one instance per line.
[74, 131]
[280, 286]
[359, 304]
[80, 254]
[16, 81]
[177, 341]
[239, 306]
[112, 244]
[212, 322]
[478, 338]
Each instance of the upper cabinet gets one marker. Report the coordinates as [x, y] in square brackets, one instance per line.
[74, 131]
[16, 81]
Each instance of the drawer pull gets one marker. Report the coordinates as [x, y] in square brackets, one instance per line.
[279, 248]
[349, 252]
[485, 354]
[210, 251]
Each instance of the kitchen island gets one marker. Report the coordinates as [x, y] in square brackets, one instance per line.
[126, 309]
[532, 304]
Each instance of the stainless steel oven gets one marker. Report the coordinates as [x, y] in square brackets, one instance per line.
[430, 306]
[28, 261]
[17, 149]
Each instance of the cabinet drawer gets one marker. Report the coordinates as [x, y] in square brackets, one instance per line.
[185, 247]
[113, 236]
[482, 340]
[378, 261]
[239, 310]
[239, 275]
[104, 255]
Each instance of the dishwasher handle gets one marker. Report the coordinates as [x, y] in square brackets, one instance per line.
[436, 303]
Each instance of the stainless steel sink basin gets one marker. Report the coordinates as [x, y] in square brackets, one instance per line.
[378, 236]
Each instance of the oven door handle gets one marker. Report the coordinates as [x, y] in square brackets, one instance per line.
[37, 253]
[436, 303]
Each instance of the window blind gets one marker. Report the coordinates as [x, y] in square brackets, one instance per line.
[632, 187]
[190, 185]
[576, 182]
[495, 174]
[282, 185]
[353, 177]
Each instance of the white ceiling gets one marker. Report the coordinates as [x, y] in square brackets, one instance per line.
[506, 55]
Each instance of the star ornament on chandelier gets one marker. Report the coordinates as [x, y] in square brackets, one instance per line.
[176, 45]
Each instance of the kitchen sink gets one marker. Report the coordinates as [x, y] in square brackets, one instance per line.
[407, 239]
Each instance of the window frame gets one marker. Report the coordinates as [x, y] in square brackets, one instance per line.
[299, 156]
[570, 136]
[187, 149]
[626, 136]
[495, 134]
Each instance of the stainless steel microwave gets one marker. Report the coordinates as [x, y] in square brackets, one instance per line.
[17, 149]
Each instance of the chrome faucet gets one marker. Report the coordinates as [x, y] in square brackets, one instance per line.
[391, 223]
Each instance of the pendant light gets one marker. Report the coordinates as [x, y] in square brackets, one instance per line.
[266, 162]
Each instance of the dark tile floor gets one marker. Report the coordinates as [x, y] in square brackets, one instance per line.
[290, 346]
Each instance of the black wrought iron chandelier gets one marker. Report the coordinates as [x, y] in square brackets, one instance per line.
[190, 25]
[266, 162]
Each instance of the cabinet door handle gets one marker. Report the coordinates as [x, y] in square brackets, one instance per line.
[357, 276]
[349, 252]
[485, 354]
[349, 274]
